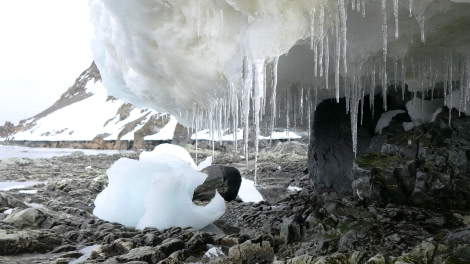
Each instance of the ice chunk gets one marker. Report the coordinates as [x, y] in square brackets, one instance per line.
[156, 191]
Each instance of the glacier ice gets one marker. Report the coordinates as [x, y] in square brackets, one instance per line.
[156, 191]
[193, 58]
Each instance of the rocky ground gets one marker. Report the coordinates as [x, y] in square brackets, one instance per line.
[56, 225]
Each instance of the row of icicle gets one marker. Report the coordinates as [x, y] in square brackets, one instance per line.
[245, 100]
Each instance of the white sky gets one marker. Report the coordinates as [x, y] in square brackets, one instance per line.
[44, 46]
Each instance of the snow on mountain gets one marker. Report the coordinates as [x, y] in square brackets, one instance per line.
[85, 112]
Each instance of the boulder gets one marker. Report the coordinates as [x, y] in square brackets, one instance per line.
[250, 252]
[14, 242]
[8, 201]
[31, 218]
[225, 179]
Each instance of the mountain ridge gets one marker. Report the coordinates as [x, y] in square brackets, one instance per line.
[85, 116]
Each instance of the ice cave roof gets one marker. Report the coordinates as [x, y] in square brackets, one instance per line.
[193, 57]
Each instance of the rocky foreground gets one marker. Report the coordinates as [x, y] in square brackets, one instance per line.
[55, 224]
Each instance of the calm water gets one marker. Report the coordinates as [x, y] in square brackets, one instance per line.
[34, 153]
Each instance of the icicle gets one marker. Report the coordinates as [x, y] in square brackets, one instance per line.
[288, 98]
[301, 104]
[467, 84]
[446, 78]
[363, 8]
[461, 85]
[248, 82]
[309, 117]
[327, 60]
[372, 91]
[450, 89]
[395, 14]
[353, 4]
[358, 6]
[320, 55]
[347, 94]
[421, 20]
[294, 112]
[312, 28]
[259, 67]
[316, 97]
[403, 76]
[362, 101]
[384, 47]
[273, 96]
[354, 109]
[315, 59]
[337, 60]
[197, 130]
[395, 72]
[384, 31]
[344, 41]
[411, 8]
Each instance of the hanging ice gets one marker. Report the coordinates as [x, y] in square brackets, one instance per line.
[186, 57]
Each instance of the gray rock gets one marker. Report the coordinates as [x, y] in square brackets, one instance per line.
[13, 242]
[147, 254]
[249, 252]
[8, 201]
[292, 229]
[170, 246]
[198, 242]
[30, 218]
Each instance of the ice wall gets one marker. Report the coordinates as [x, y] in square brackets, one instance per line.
[225, 63]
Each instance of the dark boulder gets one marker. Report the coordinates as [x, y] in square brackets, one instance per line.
[330, 153]
[225, 179]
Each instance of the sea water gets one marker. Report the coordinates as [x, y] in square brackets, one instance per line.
[34, 153]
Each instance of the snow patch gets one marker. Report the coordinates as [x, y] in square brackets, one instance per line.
[248, 192]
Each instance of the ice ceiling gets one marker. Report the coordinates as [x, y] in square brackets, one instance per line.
[226, 60]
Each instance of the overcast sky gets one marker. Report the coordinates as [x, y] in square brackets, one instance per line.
[44, 46]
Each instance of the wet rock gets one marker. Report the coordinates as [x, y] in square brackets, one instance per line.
[249, 252]
[31, 218]
[13, 242]
[118, 247]
[377, 259]
[198, 243]
[170, 246]
[292, 229]
[147, 254]
[8, 201]
[225, 179]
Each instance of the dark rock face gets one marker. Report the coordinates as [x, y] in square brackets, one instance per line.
[225, 179]
[426, 166]
[330, 153]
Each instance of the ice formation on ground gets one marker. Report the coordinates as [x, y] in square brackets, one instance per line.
[156, 191]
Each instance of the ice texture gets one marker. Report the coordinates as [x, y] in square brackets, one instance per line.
[200, 60]
[156, 191]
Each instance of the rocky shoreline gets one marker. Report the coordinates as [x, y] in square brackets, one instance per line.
[52, 221]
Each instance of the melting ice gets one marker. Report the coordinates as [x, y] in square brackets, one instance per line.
[156, 191]
[215, 64]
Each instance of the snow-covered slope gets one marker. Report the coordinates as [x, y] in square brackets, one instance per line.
[86, 112]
